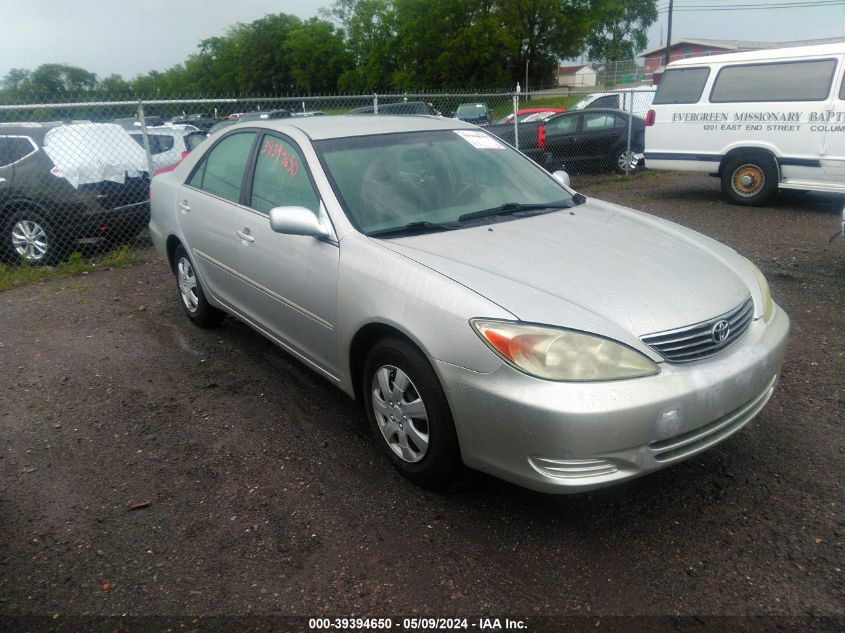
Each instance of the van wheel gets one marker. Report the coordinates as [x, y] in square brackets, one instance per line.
[750, 179]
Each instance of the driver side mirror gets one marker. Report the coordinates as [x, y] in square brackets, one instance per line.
[298, 221]
[562, 177]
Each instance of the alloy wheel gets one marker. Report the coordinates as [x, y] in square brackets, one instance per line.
[29, 239]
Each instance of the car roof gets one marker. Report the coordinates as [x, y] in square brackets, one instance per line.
[36, 131]
[343, 126]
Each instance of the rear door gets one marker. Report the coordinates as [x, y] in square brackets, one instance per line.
[207, 207]
[833, 164]
[601, 135]
[562, 138]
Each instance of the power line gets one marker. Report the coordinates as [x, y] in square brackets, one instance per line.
[755, 7]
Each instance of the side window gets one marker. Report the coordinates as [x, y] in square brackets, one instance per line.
[785, 81]
[165, 143]
[281, 178]
[222, 171]
[564, 124]
[608, 101]
[193, 139]
[681, 85]
[13, 148]
[599, 121]
[842, 90]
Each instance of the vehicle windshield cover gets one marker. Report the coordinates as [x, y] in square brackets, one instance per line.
[391, 180]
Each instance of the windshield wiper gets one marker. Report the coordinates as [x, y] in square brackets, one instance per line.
[514, 207]
[412, 227]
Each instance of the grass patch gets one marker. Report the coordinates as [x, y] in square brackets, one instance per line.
[22, 275]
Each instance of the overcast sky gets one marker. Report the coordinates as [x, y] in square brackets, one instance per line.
[130, 37]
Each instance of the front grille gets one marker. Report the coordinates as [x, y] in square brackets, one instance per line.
[695, 342]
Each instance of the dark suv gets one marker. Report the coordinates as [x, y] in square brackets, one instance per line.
[60, 184]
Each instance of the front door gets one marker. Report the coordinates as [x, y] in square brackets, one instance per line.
[290, 280]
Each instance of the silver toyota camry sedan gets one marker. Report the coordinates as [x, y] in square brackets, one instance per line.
[485, 314]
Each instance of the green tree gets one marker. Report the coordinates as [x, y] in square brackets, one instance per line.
[317, 55]
[619, 28]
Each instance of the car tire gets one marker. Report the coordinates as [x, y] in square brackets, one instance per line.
[420, 439]
[30, 239]
[623, 157]
[750, 179]
[191, 294]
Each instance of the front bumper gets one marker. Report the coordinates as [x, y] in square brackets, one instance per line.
[571, 437]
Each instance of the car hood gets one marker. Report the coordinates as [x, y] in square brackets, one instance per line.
[598, 267]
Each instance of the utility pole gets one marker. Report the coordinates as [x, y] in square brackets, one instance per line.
[668, 36]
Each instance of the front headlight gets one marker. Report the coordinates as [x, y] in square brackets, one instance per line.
[768, 303]
[564, 355]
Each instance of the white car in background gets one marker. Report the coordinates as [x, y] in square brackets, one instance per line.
[641, 97]
[169, 143]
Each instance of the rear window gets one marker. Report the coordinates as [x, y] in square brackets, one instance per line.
[609, 101]
[681, 85]
[783, 81]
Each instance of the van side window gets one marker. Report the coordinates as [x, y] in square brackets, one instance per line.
[682, 85]
[783, 81]
[842, 90]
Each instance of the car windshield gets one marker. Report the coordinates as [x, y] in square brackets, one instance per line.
[388, 181]
[471, 109]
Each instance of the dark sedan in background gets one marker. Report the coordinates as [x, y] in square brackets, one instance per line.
[582, 140]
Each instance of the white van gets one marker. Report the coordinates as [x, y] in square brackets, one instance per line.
[620, 100]
[759, 120]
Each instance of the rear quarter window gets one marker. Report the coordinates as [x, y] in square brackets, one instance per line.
[681, 85]
[781, 81]
[14, 148]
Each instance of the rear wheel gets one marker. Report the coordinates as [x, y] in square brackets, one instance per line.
[191, 294]
[750, 179]
[31, 240]
[626, 161]
[409, 414]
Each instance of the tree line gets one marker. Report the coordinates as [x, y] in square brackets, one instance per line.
[360, 46]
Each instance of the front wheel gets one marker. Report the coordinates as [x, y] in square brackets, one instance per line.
[750, 179]
[409, 414]
[191, 294]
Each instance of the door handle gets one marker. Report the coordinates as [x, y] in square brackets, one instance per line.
[184, 206]
[245, 236]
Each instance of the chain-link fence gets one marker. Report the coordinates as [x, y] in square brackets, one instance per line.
[75, 177]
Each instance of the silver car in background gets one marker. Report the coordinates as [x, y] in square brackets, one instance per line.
[486, 314]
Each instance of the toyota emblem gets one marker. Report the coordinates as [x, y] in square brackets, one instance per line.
[720, 331]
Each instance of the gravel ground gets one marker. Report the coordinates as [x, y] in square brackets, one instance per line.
[149, 467]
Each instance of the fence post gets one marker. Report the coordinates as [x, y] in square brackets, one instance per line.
[375, 103]
[630, 94]
[146, 138]
[515, 118]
